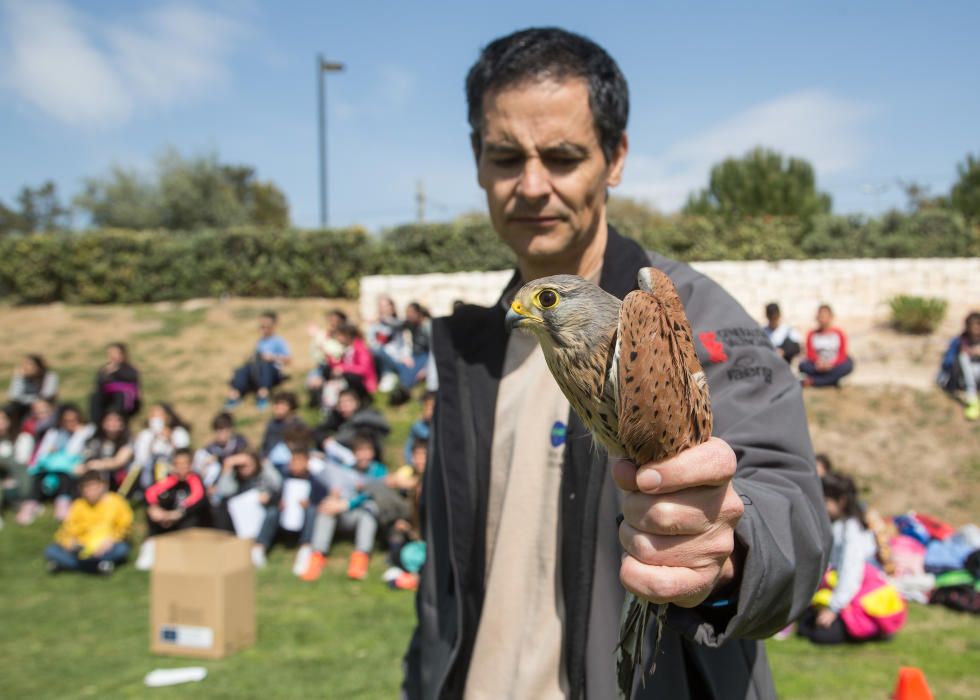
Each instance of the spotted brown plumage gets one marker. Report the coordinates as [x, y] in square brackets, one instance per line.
[630, 371]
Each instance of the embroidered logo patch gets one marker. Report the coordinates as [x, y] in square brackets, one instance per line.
[558, 433]
[716, 351]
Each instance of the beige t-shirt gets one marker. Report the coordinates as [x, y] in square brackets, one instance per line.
[518, 649]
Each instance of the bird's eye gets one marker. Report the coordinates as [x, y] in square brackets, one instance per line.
[547, 298]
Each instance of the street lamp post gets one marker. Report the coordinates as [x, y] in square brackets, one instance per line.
[324, 66]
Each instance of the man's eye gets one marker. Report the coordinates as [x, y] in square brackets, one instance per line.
[506, 161]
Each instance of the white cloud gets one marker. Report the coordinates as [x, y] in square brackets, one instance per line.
[91, 73]
[818, 126]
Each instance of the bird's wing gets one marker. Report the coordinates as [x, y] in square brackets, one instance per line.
[663, 398]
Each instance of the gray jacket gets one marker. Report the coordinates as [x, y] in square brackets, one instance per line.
[707, 652]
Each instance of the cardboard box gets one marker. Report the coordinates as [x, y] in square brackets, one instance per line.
[202, 594]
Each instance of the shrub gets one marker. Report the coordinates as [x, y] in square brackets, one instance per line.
[918, 315]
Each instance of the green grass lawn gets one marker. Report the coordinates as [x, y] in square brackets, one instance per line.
[74, 636]
[69, 636]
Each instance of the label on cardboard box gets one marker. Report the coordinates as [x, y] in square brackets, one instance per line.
[187, 636]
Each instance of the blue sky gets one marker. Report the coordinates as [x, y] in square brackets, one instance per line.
[869, 92]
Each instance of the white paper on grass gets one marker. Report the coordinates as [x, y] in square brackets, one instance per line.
[294, 493]
[173, 676]
[247, 514]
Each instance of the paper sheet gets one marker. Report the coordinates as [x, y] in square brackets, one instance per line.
[294, 491]
[247, 514]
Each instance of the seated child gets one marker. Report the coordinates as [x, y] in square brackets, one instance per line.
[404, 557]
[420, 428]
[348, 508]
[284, 420]
[298, 475]
[839, 612]
[110, 451]
[55, 464]
[264, 370]
[225, 442]
[960, 368]
[783, 336]
[351, 417]
[243, 472]
[826, 360]
[156, 444]
[15, 453]
[176, 502]
[93, 536]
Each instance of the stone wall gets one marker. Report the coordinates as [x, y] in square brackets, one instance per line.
[854, 288]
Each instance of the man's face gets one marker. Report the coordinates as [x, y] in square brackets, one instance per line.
[543, 170]
[181, 465]
[266, 326]
[281, 409]
[299, 464]
[824, 318]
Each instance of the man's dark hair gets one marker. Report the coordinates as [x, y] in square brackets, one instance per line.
[339, 313]
[183, 452]
[270, 314]
[90, 475]
[548, 52]
[772, 310]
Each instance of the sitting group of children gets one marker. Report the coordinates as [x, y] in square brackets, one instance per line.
[301, 486]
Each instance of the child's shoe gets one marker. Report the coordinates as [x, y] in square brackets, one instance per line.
[262, 403]
[106, 567]
[357, 569]
[28, 512]
[232, 404]
[972, 410]
[302, 560]
[407, 581]
[258, 556]
[315, 568]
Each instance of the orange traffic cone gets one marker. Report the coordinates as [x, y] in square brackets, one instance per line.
[911, 685]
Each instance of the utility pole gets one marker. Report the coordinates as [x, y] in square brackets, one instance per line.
[324, 66]
[420, 201]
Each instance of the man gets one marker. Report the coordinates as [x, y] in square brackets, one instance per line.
[782, 335]
[93, 536]
[521, 593]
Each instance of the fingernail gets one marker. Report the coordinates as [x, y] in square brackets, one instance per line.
[649, 480]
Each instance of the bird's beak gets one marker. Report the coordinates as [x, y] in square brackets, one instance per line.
[516, 315]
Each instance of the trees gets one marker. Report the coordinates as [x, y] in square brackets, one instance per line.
[39, 209]
[965, 196]
[186, 194]
[761, 183]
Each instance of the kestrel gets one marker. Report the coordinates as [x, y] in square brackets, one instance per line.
[630, 371]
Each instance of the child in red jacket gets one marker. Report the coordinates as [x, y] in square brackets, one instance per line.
[176, 502]
[826, 360]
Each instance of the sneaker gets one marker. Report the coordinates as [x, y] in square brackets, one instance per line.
[147, 555]
[357, 569]
[315, 567]
[258, 556]
[302, 560]
[52, 567]
[262, 403]
[407, 582]
[28, 512]
[105, 567]
[62, 504]
[388, 382]
[232, 404]
[972, 410]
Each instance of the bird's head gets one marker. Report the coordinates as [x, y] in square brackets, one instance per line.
[564, 310]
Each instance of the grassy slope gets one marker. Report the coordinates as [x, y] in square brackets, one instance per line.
[335, 638]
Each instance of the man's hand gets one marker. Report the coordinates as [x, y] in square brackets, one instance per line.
[679, 524]
[103, 548]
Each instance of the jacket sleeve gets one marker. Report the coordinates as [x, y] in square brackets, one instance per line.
[122, 519]
[758, 409]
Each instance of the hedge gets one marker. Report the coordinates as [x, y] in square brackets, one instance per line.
[118, 266]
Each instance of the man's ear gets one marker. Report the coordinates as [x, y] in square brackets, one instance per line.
[476, 143]
[618, 162]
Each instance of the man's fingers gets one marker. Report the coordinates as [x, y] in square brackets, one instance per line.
[706, 551]
[668, 584]
[689, 512]
[624, 475]
[711, 463]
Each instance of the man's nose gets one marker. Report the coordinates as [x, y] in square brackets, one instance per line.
[534, 182]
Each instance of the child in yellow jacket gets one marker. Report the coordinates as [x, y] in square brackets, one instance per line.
[93, 536]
